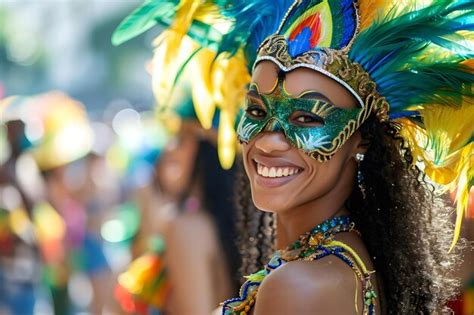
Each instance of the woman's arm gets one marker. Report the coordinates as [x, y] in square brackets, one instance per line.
[190, 240]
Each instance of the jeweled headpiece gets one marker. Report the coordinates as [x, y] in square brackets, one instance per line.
[409, 62]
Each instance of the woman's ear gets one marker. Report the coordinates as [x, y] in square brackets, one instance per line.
[360, 145]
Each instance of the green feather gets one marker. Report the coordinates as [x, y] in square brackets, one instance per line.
[143, 18]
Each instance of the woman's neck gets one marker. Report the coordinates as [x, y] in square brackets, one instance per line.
[290, 227]
[299, 220]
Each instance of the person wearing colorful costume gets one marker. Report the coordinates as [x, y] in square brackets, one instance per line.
[57, 221]
[357, 115]
[19, 263]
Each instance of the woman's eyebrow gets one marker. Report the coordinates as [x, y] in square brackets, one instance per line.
[315, 95]
[254, 94]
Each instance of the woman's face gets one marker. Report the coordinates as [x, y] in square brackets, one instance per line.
[176, 164]
[281, 176]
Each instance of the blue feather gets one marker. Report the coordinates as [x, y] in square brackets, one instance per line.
[254, 20]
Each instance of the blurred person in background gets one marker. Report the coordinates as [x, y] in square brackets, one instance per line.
[194, 214]
[60, 134]
[83, 246]
[200, 259]
[21, 188]
[68, 138]
[95, 188]
[201, 256]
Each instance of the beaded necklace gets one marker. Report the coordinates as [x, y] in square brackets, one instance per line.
[315, 244]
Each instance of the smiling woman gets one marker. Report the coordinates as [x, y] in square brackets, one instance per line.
[288, 121]
[347, 99]
[287, 180]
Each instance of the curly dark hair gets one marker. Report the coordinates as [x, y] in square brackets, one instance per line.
[405, 225]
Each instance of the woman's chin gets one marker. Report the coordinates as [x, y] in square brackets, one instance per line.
[271, 202]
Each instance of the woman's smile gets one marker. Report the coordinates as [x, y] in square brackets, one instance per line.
[274, 171]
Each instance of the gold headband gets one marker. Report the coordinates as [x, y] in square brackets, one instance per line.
[333, 63]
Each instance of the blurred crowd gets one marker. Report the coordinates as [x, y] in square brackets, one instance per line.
[86, 209]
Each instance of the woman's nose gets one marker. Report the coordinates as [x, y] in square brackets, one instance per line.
[269, 142]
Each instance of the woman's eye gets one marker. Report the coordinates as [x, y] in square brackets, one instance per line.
[256, 112]
[307, 119]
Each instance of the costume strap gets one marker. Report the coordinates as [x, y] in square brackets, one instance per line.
[353, 253]
[348, 255]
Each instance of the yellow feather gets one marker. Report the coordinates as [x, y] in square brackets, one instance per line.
[202, 89]
[226, 139]
[368, 12]
[448, 130]
[229, 77]
[444, 148]
[462, 186]
[371, 10]
[215, 84]
[180, 26]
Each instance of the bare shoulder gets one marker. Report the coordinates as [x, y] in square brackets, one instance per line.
[325, 286]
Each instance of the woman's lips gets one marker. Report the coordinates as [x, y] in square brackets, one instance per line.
[274, 172]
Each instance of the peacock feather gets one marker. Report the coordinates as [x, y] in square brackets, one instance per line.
[320, 23]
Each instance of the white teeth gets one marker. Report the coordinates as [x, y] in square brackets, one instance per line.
[279, 172]
[273, 172]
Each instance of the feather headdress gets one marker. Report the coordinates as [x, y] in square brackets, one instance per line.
[414, 59]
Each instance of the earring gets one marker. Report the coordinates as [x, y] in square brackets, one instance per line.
[360, 178]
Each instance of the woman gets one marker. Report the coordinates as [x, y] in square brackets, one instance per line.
[200, 255]
[194, 217]
[346, 97]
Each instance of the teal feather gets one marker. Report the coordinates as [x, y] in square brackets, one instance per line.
[395, 51]
[253, 22]
[144, 18]
[162, 12]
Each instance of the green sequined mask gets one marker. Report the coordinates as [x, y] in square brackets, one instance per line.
[278, 111]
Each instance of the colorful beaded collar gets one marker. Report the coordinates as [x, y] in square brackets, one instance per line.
[313, 245]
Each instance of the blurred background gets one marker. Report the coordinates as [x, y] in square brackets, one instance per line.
[65, 45]
[91, 182]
